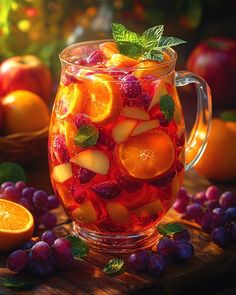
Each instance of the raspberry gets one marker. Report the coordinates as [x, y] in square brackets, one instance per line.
[142, 100]
[96, 57]
[130, 86]
[85, 175]
[107, 225]
[180, 141]
[164, 180]
[107, 190]
[106, 140]
[128, 185]
[81, 120]
[60, 149]
[79, 194]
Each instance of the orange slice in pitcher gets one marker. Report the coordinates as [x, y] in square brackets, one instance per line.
[147, 156]
[109, 48]
[121, 61]
[105, 102]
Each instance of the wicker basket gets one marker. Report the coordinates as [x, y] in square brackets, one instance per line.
[23, 147]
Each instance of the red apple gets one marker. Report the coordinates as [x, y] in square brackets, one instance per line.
[25, 72]
[215, 60]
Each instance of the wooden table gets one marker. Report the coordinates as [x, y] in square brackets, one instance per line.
[211, 271]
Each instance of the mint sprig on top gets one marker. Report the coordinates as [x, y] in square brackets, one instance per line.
[147, 46]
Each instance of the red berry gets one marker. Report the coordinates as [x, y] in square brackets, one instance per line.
[106, 140]
[107, 190]
[130, 86]
[128, 185]
[60, 149]
[81, 120]
[96, 57]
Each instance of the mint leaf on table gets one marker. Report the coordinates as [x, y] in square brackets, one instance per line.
[14, 282]
[167, 106]
[113, 266]
[169, 228]
[86, 136]
[148, 46]
[79, 247]
[10, 171]
[228, 116]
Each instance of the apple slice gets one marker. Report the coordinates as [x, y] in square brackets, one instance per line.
[86, 213]
[160, 89]
[151, 208]
[122, 130]
[118, 212]
[93, 160]
[62, 172]
[145, 126]
[135, 113]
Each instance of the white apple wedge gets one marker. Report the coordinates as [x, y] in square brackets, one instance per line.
[123, 129]
[145, 126]
[93, 160]
[135, 113]
[62, 172]
[160, 89]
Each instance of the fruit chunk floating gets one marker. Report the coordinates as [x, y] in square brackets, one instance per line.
[117, 133]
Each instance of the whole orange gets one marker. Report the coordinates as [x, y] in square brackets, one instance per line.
[218, 162]
[24, 112]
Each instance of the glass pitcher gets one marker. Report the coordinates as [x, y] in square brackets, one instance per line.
[117, 143]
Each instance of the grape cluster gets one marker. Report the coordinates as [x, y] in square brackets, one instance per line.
[42, 258]
[169, 248]
[213, 211]
[38, 202]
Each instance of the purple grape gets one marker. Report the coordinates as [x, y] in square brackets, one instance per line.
[41, 251]
[194, 210]
[166, 247]
[183, 195]
[212, 193]
[182, 235]
[49, 220]
[129, 185]
[220, 236]
[96, 57]
[48, 237]
[62, 247]
[130, 86]
[81, 120]
[62, 262]
[28, 193]
[20, 185]
[231, 214]
[40, 199]
[60, 149]
[180, 206]
[156, 264]
[199, 198]
[85, 175]
[107, 190]
[6, 184]
[227, 200]
[206, 222]
[184, 250]
[43, 268]
[211, 204]
[52, 202]
[17, 260]
[139, 261]
[218, 217]
[10, 193]
[26, 203]
[28, 245]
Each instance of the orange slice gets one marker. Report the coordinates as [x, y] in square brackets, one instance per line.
[148, 155]
[121, 61]
[109, 48]
[70, 99]
[16, 225]
[105, 102]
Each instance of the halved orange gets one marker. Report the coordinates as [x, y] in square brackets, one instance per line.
[16, 225]
[104, 103]
[70, 100]
[148, 155]
[118, 60]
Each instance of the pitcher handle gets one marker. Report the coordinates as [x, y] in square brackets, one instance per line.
[197, 140]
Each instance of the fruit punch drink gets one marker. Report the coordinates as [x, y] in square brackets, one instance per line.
[117, 144]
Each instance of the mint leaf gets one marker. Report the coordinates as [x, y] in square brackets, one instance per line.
[10, 171]
[86, 136]
[166, 42]
[79, 247]
[228, 116]
[153, 36]
[169, 228]
[167, 106]
[153, 55]
[14, 282]
[113, 266]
